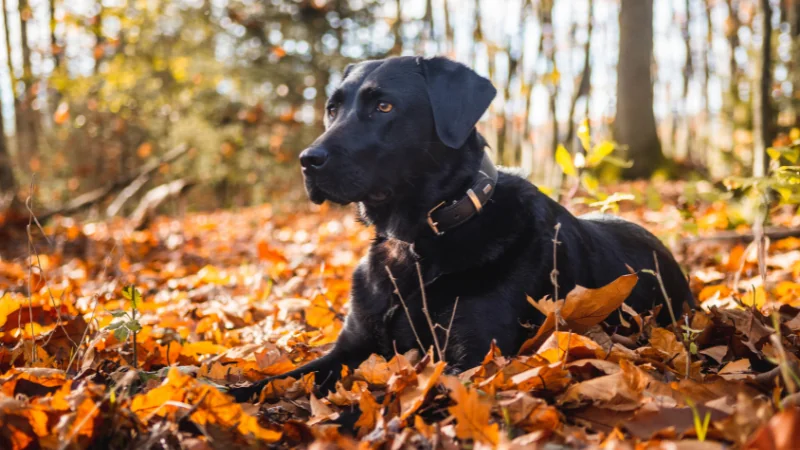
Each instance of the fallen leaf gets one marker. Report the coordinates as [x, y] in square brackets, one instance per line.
[583, 308]
[472, 413]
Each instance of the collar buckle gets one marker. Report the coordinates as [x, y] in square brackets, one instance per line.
[435, 225]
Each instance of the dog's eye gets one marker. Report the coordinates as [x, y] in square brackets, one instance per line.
[331, 112]
[385, 107]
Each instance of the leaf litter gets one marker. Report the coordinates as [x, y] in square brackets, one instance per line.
[211, 300]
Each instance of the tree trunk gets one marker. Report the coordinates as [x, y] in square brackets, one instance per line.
[8, 184]
[27, 120]
[688, 72]
[449, 34]
[397, 28]
[762, 107]
[794, 23]
[635, 124]
[13, 79]
[584, 83]
[733, 68]
[55, 49]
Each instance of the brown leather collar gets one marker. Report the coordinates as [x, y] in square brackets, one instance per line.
[443, 218]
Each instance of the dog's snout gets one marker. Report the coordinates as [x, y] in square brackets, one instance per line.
[313, 158]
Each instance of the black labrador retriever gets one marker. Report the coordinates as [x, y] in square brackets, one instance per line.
[400, 141]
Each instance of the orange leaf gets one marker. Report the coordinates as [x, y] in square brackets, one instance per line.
[375, 370]
[370, 412]
[320, 314]
[267, 253]
[621, 391]
[583, 308]
[471, 413]
[320, 412]
[412, 397]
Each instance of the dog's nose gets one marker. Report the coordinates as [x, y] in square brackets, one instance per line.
[313, 158]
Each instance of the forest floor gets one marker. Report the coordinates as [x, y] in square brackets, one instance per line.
[230, 296]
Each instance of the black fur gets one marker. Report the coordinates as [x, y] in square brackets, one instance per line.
[397, 165]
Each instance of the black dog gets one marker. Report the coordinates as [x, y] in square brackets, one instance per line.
[400, 141]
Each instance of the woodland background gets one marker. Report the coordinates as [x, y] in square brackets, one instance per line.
[156, 245]
[94, 91]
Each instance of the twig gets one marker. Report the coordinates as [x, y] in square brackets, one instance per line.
[28, 202]
[133, 318]
[738, 275]
[770, 232]
[449, 327]
[554, 275]
[405, 307]
[97, 195]
[96, 296]
[426, 312]
[668, 301]
[783, 360]
[761, 240]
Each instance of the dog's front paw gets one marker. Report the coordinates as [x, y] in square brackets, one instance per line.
[249, 392]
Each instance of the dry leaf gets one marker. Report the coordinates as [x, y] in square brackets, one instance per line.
[583, 308]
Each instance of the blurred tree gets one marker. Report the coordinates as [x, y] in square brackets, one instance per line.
[635, 124]
[28, 126]
[762, 104]
[8, 184]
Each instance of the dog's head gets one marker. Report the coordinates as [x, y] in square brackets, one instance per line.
[388, 123]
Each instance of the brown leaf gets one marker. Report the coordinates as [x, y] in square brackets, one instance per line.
[528, 412]
[320, 412]
[370, 412]
[412, 397]
[780, 433]
[472, 413]
[583, 308]
[375, 370]
[736, 370]
[621, 391]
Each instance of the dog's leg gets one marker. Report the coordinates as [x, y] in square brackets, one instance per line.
[327, 370]
[351, 349]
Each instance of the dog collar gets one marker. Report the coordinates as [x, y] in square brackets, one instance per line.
[442, 218]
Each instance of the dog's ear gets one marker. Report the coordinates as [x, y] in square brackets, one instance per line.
[347, 70]
[458, 97]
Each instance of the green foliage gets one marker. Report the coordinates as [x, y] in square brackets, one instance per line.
[701, 425]
[241, 83]
[782, 182]
[586, 168]
[128, 325]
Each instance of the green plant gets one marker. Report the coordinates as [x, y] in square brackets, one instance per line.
[584, 169]
[700, 425]
[126, 324]
[690, 335]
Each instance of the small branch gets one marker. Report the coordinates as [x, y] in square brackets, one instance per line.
[98, 195]
[155, 197]
[405, 308]
[554, 276]
[427, 314]
[668, 301]
[770, 232]
[135, 355]
[449, 327]
[30, 273]
[738, 275]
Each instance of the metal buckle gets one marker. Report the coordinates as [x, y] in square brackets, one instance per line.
[431, 223]
[476, 202]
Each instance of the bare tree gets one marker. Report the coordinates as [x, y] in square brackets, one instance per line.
[762, 107]
[27, 117]
[8, 184]
[635, 124]
[584, 82]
